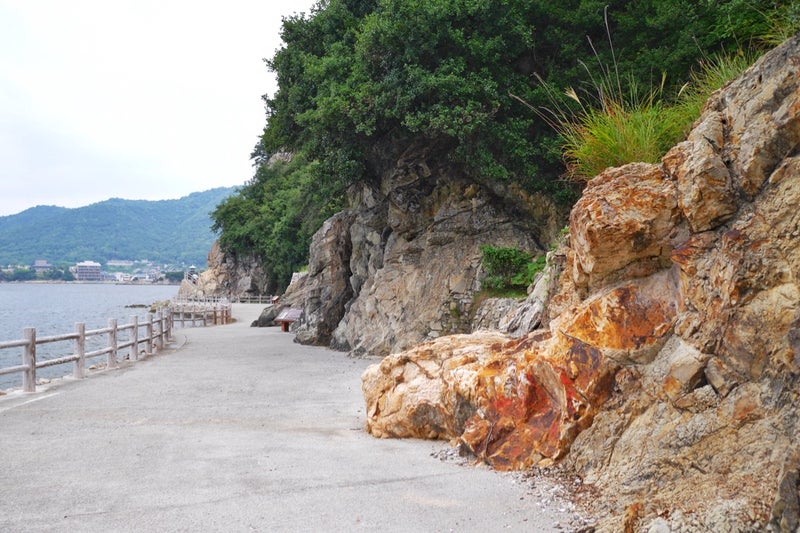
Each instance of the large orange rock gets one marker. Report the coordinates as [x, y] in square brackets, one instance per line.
[623, 225]
[425, 392]
[516, 402]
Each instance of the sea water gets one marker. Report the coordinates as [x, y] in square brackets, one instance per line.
[54, 308]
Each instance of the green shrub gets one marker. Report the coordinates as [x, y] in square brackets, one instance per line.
[528, 274]
[508, 269]
[503, 261]
[493, 283]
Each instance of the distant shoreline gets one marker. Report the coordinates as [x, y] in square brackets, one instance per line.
[79, 282]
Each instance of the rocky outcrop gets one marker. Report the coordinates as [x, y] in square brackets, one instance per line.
[668, 376]
[402, 265]
[326, 287]
[267, 316]
[228, 276]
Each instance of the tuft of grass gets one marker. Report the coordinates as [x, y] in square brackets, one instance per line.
[713, 73]
[616, 127]
[619, 130]
[612, 126]
[782, 23]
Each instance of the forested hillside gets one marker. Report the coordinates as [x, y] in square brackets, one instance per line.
[164, 231]
[360, 81]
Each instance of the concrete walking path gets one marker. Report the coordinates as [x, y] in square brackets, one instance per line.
[238, 429]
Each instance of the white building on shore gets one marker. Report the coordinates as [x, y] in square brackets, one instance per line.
[88, 271]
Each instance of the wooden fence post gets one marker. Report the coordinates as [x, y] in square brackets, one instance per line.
[29, 360]
[165, 312]
[80, 350]
[134, 353]
[149, 333]
[168, 310]
[112, 343]
[160, 334]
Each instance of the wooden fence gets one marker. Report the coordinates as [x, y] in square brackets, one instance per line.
[258, 299]
[200, 313]
[158, 328]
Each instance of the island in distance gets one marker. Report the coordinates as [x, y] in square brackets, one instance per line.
[175, 232]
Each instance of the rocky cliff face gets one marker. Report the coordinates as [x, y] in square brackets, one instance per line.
[228, 276]
[402, 265]
[668, 378]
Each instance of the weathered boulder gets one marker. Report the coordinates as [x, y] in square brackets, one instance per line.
[705, 190]
[519, 317]
[531, 396]
[491, 311]
[327, 284]
[526, 316]
[420, 393]
[623, 225]
[267, 317]
[668, 377]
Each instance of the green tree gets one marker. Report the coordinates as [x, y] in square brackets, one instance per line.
[275, 215]
[22, 274]
[353, 75]
[361, 81]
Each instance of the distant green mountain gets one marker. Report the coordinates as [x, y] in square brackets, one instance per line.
[163, 231]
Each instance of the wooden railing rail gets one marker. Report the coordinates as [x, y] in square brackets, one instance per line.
[258, 299]
[158, 327]
[201, 313]
[199, 300]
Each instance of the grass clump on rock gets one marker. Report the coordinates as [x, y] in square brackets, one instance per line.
[509, 271]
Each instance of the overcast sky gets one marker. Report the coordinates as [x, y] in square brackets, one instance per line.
[135, 99]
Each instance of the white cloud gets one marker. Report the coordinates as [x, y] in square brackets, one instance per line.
[137, 99]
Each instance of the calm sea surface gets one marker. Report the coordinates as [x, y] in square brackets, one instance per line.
[54, 308]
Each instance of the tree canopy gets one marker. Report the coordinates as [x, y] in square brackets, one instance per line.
[456, 74]
[275, 214]
[355, 72]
